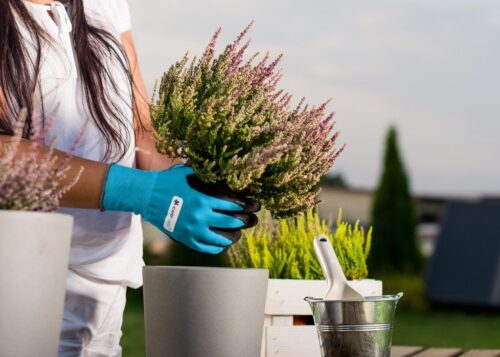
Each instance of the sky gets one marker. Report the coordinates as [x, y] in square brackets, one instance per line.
[431, 68]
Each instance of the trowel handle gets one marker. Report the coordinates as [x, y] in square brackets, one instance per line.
[328, 260]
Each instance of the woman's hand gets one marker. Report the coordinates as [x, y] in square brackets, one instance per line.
[166, 199]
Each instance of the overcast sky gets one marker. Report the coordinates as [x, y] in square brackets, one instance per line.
[430, 67]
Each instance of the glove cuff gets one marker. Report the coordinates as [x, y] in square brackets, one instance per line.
[126, 189]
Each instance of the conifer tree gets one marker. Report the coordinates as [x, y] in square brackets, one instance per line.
[394, 247]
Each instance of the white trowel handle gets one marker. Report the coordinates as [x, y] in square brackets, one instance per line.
[328, 260]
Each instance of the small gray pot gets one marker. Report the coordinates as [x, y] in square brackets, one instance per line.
[204, 312]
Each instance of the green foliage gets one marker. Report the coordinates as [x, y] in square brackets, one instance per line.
[393, 217]
[285, 247]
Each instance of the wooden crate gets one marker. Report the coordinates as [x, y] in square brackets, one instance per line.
[285, 299]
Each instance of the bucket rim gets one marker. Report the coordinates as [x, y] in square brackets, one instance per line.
[396, 297]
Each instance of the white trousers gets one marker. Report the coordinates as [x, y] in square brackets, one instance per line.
[93, 315]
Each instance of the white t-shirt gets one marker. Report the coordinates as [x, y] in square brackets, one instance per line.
[105, 245]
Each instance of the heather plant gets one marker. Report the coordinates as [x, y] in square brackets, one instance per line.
[31, 181]
[285, 247]
[227, 117]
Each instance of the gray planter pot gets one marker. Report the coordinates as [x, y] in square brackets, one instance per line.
[204, 312]
[34, 254]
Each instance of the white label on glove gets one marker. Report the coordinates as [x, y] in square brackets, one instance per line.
[173, 213]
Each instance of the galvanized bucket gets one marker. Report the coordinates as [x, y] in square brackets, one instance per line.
[361, 328]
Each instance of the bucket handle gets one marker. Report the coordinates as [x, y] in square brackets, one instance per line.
[398, 296]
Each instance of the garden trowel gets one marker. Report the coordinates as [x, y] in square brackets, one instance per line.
[338, 287]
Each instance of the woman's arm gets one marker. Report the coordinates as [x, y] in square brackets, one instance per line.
[87, 191]
[147, 157]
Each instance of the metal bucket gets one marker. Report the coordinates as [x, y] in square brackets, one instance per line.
[361, 328]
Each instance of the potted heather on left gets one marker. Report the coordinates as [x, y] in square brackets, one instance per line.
[34, 246]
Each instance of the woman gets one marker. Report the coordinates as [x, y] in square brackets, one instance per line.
[75, 62]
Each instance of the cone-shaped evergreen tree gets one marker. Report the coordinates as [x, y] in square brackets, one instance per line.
[394, 247]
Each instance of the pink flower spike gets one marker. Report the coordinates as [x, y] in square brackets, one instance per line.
[238, 58]
[210, 49]
[242, 34]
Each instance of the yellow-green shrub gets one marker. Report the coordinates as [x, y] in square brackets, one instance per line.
[285, 247]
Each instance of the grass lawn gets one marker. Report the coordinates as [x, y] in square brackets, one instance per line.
[133, 330]
[447, 329]
[437, 329]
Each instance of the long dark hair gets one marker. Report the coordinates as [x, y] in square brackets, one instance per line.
[19, 72]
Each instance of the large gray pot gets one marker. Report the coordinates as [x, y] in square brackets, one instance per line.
[34, 254]
[204, 312]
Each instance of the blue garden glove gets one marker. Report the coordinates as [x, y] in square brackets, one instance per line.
[166, 200]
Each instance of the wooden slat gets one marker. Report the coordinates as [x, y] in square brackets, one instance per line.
[296, 341]
[481, 353]
[439, 352]
[404, 351]
[267, 322]
[286, 297]
[282, 320]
